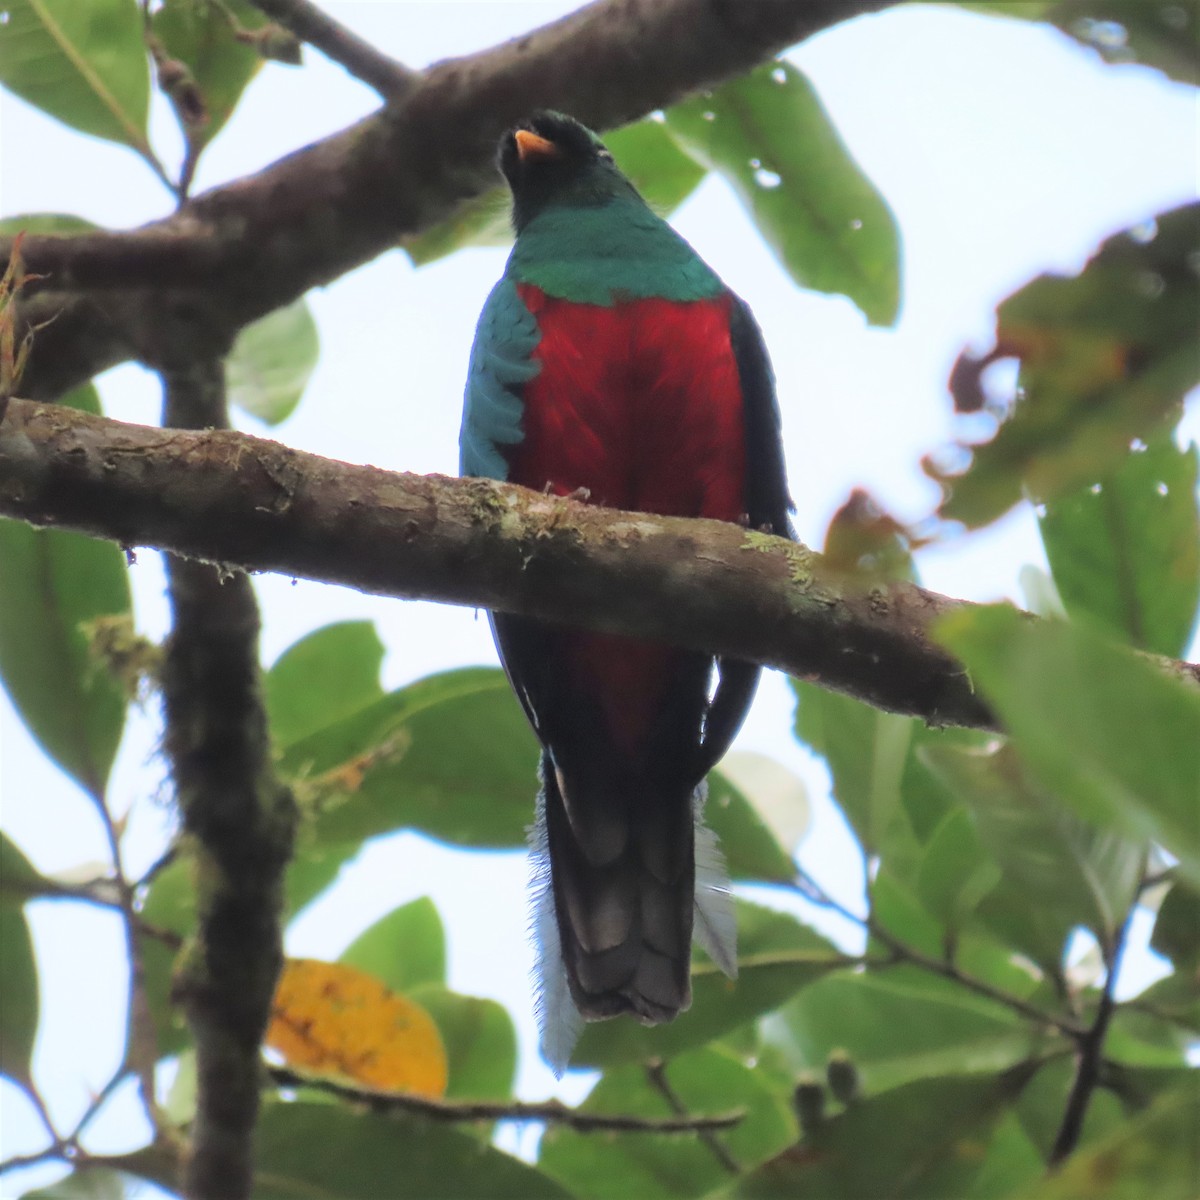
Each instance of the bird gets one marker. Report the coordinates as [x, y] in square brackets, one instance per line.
[611, 363]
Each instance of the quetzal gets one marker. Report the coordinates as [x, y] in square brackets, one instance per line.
[612, 362]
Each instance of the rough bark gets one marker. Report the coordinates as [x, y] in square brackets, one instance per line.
[242, 819]
[251, 503]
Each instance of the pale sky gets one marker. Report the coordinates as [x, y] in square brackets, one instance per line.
[1004, 149]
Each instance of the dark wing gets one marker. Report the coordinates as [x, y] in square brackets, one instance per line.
[767, 505]
[767, 499]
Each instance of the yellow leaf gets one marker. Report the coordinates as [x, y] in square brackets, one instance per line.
[338, 1020]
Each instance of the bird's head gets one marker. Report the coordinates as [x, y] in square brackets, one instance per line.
[551, 161]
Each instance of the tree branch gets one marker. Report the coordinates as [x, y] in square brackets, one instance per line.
[229, 498]
[548, 1112]
[254, 245]
[243, 819]
[388, 77]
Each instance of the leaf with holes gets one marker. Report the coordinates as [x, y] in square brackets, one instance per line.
[1106, 357]
[769, 135]
[1126, 551]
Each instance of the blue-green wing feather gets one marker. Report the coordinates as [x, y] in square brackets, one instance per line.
[501, 361]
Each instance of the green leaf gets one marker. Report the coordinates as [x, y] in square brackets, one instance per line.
[19, 1001]
[409, 1159]
[777, 957]
[271, 360]
[450, 756]
[705, 1081]
[1106, 357]
[405, 948]
[924, 1141]
[1125, 552]
[866, 750]
[769, 135]
[983, 949]
[750, 848]
[1177, 927]
[1166, 36]
[652, 159]
[926, 799]
[1152, 1155]
[1176, 998]
[169, 905]
[1097, 725]
[1142, 1039]
[663, 173]
[1064, 866]
[463, 768]
[480, 1041]
[1042, 1103]
[39, 223]
[328, 674]
[94, 1183]
[83, 63]
[200, 34]
[1139, 1087]
[900, 1027]
[956, 872]
[1012, 1162]
[481, 221]
[51, 584]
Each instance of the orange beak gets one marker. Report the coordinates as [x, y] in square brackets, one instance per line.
[532, 146]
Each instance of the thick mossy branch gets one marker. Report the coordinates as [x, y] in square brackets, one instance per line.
[242, 818]
[182, 287]
[233, 499]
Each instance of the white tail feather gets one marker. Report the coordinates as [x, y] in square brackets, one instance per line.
[559, 1022]
[715, 926]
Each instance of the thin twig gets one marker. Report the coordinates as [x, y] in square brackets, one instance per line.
[1090, 1054]
[19, 1161]
[656, 1073]
[97, 1103]
[902, 952]
[388, 77]
[547, 1112]
[141, 1049]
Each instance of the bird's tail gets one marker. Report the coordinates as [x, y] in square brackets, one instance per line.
[615, 936]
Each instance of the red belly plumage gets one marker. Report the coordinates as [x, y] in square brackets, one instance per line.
[641, 404]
